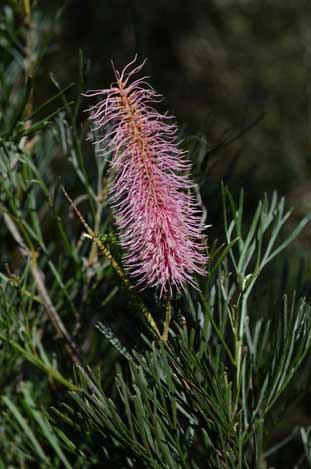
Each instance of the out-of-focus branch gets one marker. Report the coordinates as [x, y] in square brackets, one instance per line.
[42, 291]
[29, 51]
[12, 226]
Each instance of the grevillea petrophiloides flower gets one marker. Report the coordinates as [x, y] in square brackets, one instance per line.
[157, 215]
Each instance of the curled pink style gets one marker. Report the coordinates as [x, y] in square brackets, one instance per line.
[156, 212]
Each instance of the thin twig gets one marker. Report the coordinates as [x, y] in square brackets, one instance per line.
[42, 290]
[13, 228]
[100, 204]
[230, 139]
[29, 51]
[105, 251]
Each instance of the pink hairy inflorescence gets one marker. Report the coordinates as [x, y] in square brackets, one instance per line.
[157, 215]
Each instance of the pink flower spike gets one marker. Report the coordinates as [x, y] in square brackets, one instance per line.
[157, 215]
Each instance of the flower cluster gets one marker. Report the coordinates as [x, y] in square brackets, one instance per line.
[157, 215]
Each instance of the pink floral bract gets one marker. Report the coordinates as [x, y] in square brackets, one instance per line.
[156, 212]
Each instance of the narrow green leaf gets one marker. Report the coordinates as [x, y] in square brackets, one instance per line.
[291, 238]
[24, 425]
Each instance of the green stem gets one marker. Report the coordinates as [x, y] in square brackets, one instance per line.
[105, 251]
[218, 332]
[166, 327]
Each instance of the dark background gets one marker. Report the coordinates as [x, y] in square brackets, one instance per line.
[236, 74]
[220, 65]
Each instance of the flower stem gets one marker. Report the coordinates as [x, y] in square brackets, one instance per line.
[164, 336]
[118, 269]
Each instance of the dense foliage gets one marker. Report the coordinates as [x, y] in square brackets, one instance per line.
[88, 376]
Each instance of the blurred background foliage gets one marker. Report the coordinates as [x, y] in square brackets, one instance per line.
[220, 65]
[237, 76]
[235, 72]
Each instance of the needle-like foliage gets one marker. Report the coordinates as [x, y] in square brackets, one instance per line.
[85, 381]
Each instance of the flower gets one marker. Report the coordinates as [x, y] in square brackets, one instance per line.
[157, 215]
